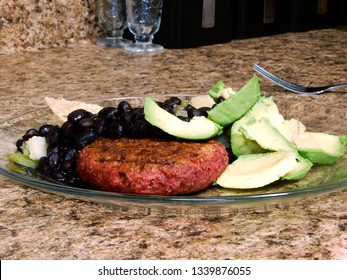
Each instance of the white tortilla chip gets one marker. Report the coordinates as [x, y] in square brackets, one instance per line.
[62, 107]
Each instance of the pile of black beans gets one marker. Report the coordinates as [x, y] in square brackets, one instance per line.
[82, 127]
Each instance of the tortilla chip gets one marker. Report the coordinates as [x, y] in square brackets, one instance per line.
[62, 107]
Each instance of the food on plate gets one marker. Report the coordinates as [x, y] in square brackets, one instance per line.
[220, 92]
[202, 101]
[264, 113]
[62, 107]
[35, 147]
[236, 139]
[321, 148]
[236, 105]
[198, 128]
[300, 170]
[23, 160]
[151, 166]
[257, 170]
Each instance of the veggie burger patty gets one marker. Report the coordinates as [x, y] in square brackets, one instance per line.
[151, 166]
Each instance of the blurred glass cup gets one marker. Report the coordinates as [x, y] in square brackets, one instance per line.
[144, 17]
[112, 19]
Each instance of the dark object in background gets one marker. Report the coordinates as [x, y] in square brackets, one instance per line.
[254, 18]
[343, 12]
[315, 14]
[192, 23]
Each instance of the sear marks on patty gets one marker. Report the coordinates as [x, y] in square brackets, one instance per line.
[151, 166]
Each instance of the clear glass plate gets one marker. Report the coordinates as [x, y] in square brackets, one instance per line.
[314, 113]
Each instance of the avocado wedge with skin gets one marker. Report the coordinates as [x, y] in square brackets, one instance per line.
[265, 110]
[321, 148]
[257, 170]
[198, 128]
[236, 105]
[302, 167]
[267, 137]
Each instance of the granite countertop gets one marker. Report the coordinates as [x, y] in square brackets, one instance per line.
[38, 225]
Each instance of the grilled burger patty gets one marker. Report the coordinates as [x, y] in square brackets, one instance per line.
[151, 166]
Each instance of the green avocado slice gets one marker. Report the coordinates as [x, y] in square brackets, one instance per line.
[321, 148]
[237, 104]
[266, 109]
[23, 160]
[302, 167]
[199, 128]
[266, 136]
[240, 145]
[257, 170]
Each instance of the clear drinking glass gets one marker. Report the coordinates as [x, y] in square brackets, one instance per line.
[144, 17]
[112, 18]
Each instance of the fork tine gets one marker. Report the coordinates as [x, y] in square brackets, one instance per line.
[276, 79]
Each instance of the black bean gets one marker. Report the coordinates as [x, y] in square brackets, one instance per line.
[137, 114]
[19, 144]
[44, 129]
[67, 130]
[44, 166]
[172, 102]
[67, 166]
[186, 119]
[53, 136]
[77, 115]
[168, 109]
[108, 113]
[188, 107]
[84, 138]
[139, 129]
[124, 106]
[86, 123]
[54, 149]
[115, 130]
[100, 127]
[155, 132]
[70, 154]
[192, 112]
[54, 160]
[126, 119]
[58, 175]
[204, 111]
[220, 99]
[30, 133]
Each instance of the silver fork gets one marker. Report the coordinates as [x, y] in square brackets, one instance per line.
[293, 87]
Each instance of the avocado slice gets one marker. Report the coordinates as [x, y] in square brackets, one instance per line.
[257, 170]
[240, 145]
[236, 105]
[266, 136]
[267, 110]
[23, 160]
[199, 128]
[321, 148]
[302, 167]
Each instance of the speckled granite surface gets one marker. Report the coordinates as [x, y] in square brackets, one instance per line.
[36, 225]
[45, 24]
